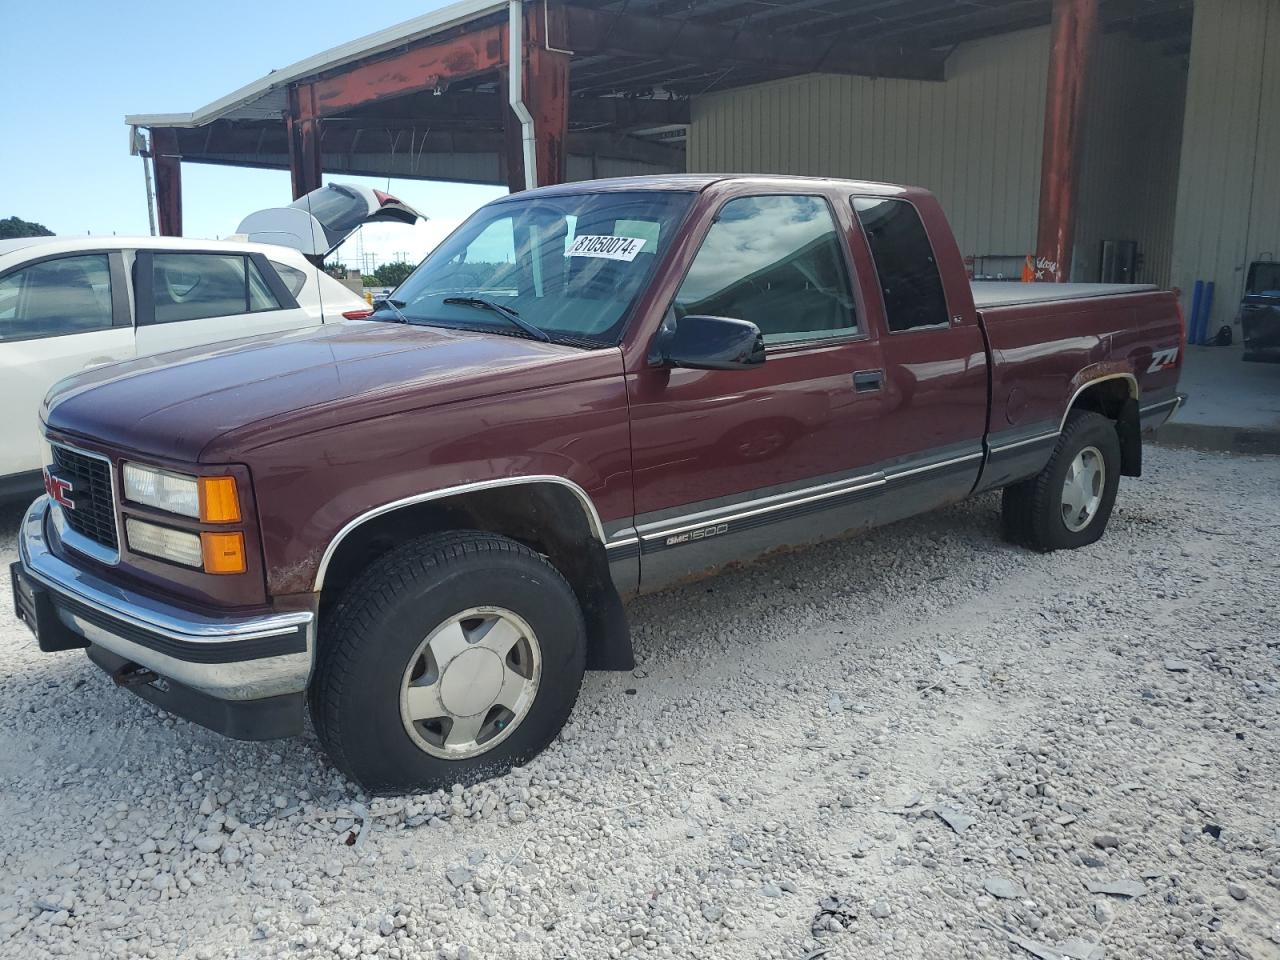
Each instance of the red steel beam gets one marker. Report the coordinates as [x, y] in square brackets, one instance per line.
[167, 162]
[413, 70]
[302, 127]
[546, 95]
[546, 84]
[1075, 28]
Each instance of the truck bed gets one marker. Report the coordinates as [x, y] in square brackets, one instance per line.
[1007, 294]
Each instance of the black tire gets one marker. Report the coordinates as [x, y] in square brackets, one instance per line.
[383, 617]
[1032, 509]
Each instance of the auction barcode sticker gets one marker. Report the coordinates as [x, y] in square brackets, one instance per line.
[606, 248]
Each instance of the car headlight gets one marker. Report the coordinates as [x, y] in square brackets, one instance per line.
[217, 553]
[176, 546]
[211, 499]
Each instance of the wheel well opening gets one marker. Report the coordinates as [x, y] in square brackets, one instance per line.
[1114, 399]
[545, 517]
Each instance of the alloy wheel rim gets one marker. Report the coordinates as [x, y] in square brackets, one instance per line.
[1082, 489]
[470, 683]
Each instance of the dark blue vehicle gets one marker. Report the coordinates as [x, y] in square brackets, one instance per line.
[1260, 312]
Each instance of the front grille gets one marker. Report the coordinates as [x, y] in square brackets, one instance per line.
[94, 515]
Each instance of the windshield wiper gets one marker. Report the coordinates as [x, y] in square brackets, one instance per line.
[502, 311]
[395, 306]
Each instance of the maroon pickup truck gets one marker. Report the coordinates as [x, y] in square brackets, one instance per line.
[424, 525]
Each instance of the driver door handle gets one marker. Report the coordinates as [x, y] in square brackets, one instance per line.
[868, 381]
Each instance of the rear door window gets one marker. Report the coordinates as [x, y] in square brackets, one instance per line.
[293, 278]
[193, 286]
[260, 295]
[54, 298]
[905, 264]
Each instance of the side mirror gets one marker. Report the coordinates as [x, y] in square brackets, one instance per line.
[709, 343]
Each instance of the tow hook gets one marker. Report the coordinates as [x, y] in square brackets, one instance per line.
[132, 675]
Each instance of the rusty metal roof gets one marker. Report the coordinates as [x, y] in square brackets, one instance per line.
[636, 65]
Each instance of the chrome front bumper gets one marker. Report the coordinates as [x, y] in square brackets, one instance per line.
[227, 658]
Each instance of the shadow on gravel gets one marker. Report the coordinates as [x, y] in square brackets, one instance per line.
[72, 714]
[11, 513]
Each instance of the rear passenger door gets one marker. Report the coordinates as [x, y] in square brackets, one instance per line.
[186, 299]
[934, 357]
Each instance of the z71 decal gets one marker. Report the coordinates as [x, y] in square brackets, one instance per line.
[1163, 360]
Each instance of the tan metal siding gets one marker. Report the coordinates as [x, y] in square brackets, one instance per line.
[1227, 205]
[974, 139]
[1129, 158]
[1264, 218]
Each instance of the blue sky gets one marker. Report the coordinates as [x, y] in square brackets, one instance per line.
[72, 69]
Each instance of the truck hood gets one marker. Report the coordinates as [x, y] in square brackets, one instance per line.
[249, 392]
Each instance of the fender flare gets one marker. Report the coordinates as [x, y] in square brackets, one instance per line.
[583, 498]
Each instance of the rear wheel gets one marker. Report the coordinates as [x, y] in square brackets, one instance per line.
[451, 659]
[1068, 503]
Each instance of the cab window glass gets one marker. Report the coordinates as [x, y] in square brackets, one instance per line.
[776, 261]
[1264, 280]
[55, 298]
[907, 270]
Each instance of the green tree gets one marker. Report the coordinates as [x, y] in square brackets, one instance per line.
[392, 274]
[15, 227]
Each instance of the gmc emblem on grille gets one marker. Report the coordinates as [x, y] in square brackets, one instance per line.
[59, 490]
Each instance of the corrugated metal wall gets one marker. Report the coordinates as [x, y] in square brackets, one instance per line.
[1129, 160]
[975, 141]
[1229, 185]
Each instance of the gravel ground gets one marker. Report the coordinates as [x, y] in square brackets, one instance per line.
[924, 743]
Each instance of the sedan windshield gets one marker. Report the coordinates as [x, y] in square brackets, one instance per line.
[570, 266]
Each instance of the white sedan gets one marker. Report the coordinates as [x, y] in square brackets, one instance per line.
[71, 303]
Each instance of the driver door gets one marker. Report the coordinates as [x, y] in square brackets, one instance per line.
[729, 464]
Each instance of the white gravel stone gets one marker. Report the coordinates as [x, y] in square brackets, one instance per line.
[653, 827]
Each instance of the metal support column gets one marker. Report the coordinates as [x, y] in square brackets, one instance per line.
[1075, 27]
[546, 95]
[167, 163]
[302, 126]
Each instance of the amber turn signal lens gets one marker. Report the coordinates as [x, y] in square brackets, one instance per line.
[219, 502]
[223, 552]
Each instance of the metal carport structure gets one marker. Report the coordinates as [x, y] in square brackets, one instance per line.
[608, 84]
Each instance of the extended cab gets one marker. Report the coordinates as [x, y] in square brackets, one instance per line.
[427, 527]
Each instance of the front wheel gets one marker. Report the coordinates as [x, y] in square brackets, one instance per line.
[1068, 503]
[451, 659]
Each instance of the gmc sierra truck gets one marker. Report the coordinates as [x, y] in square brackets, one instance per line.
[424, 526]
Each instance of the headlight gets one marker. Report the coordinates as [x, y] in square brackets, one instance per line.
[163, 490]
[211, 499]
[211, 552]
[176, 546]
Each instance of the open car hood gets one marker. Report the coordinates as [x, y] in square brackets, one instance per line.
[318, 222]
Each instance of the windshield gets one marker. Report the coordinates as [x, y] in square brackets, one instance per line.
[1264, 279]
[571, 265]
